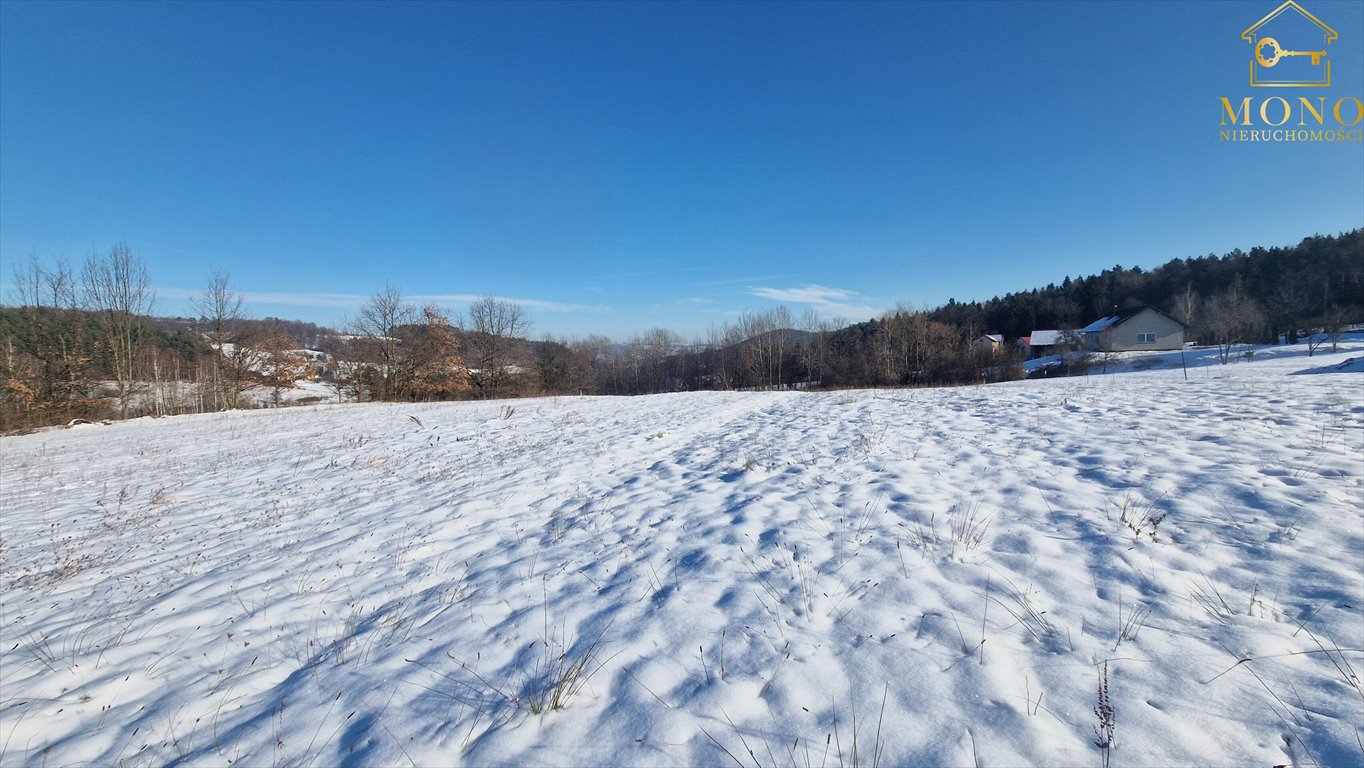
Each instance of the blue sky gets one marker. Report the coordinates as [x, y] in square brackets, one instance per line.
[617, 167]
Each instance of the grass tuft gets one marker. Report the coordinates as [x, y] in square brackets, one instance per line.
[1103, 731]
[1141, 517]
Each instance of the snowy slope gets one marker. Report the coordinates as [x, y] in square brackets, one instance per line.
[931, 577]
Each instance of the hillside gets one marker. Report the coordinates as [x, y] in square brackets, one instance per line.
[1289, 288]
[932, 576]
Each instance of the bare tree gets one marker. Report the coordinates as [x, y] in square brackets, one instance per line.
[765, 341]
[814, 353]
[1231, 317]
[162, 377]
[376, 328]
[599, 371]
[56, 364]
[884, 352]
[1332, 326]
[494, 327]
[729, 357]
[559, 368]
[220, 311]
[779, 318]
[118, 290]
[1185, 308]
[38, 286]
[652, 351]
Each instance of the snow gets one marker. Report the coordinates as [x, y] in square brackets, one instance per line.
[1102, 324]
[938, 576]
[304, 392]
[1047, 338]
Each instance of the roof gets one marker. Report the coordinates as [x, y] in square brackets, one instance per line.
[1249, 34]
[1046, 338]
[1118, 318]
[1102, 324]
[995, 337]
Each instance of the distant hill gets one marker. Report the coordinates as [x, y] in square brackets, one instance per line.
[786, 337]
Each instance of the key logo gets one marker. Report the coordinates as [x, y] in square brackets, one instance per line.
[1289, 48]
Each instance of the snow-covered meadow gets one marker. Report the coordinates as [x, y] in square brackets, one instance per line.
[907, 577]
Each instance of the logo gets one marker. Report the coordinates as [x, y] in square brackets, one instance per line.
[1289, 48]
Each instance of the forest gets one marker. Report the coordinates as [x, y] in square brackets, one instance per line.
[83, 342]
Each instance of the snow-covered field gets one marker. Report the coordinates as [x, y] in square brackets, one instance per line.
[912, 577]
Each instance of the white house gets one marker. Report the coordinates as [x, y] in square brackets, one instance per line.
[1134, 329]
[1050, 342]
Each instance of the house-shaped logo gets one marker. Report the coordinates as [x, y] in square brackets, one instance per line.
[1288, 48]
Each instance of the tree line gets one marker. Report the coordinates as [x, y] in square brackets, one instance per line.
[1265, 293]
[1261, 296]
[84, 342]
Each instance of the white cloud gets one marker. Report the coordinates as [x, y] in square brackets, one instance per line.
[828, 302]
[810, 294]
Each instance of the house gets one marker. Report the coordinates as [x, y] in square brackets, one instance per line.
[990, 342]
[1134, 329]
[1044, 343]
